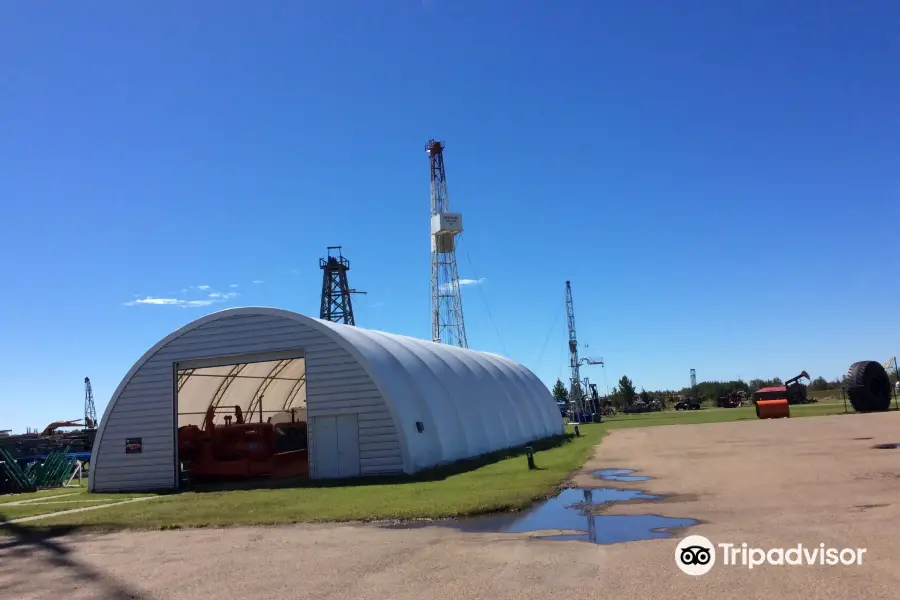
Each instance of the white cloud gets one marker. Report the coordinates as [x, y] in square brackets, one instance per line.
[154, 301]
[214, 297]
[446, 287]
[151, 301]
[195, 303]
[478, 281]
[211, 297]
[378, 305]
[258, 281]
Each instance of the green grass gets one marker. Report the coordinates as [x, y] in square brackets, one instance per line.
[825, 395]
[503, 485]
[506, 484]
[36, 508]
[718, 415]
[54, 495]
[45, 494]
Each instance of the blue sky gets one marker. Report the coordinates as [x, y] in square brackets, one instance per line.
[719, 180]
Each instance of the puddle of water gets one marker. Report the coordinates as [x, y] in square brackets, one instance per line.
[616, 529]
[571, 511]
[886, 446]
[619, 475]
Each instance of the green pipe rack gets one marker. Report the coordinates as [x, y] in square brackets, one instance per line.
[54, 471]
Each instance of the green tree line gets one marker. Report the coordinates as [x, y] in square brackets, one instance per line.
[625, 392]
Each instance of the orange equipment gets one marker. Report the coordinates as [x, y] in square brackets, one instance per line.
[52, 427]
[792, 390]
[243, 450]
[773, 409]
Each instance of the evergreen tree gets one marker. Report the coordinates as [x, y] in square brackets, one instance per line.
[626, 389]
[560, 392]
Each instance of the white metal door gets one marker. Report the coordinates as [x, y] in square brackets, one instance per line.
[335, 446]
[325, 448]
[348, 445]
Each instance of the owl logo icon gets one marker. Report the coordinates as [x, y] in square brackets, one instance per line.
[695, 555]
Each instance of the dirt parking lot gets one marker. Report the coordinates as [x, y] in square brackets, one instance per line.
[767, 483]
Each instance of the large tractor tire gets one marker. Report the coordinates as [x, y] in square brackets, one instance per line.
[868, 387]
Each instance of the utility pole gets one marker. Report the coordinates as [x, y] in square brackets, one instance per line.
[90, 412]
[447, 324]
[336, 305]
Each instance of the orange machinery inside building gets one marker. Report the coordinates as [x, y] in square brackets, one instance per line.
[242, 450]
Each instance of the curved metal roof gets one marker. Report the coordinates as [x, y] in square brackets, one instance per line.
[468, 402]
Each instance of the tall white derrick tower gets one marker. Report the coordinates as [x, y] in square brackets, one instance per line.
[447, 325]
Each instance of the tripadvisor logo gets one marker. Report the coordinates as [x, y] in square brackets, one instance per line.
[696, 555]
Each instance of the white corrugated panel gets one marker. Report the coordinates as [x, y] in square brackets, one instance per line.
[469, 402]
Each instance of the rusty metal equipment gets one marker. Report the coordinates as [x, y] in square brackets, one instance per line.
[773, 409]
[50, 429]
[793, 391]
[242, 450]
[796, 391]
[52, 438]
[731, 400]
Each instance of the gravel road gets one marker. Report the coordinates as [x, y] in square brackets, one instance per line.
[767, 483]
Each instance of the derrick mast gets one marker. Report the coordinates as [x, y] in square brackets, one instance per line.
[447, 324]
[336, 305]
[575, 395]
[90, 412]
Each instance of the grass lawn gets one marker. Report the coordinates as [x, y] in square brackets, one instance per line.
[55, 495]
[503, 485]
[45, 494]
[825, 395]
[36, 508]
[719, 415]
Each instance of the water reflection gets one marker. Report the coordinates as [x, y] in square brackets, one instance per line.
[572, 511]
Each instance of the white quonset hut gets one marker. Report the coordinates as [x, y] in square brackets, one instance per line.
[375, 403]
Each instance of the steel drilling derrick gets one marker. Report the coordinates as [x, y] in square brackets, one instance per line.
[575, 395]
[447, 323]
[577, 388]
[90, 412]
[336, 304]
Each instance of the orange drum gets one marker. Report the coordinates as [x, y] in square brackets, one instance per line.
[773, 409]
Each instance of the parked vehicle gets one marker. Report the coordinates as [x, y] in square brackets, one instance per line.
[688, 404]
[732, 400]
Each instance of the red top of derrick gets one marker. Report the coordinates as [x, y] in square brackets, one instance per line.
[434, 146]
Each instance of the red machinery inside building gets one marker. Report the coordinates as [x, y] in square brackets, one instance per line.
[242, 450]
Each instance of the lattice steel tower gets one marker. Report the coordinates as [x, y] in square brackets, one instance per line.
[90, 413]
[336, 303]
[575, 394]
[447, 324]
[693, 380]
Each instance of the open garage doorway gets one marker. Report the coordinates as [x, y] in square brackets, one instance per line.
[242, 419]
